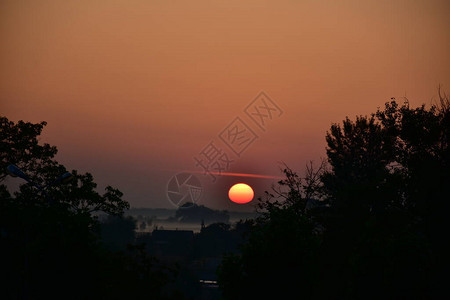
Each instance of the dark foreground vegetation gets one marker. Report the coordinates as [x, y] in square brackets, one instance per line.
[369, 222]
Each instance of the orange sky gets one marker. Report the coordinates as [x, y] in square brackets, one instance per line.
[132, 90]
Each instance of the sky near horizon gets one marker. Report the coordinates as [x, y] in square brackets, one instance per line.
[133, 91]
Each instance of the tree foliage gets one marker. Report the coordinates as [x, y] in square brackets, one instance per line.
[50, 243]
[19, 145]
[368, 224]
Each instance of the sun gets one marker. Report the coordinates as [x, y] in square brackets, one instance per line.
[241, 193]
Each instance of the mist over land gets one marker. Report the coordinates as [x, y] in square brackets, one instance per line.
[163, 218]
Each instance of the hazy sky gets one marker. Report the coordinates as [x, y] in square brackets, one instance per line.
[133, 90]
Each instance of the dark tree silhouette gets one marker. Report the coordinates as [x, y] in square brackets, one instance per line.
[193, 213]
[19, 145]
[378, 230]
[50, 243]
[117, 232]
[279, 258]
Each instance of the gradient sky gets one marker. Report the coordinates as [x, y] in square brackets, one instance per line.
[132, 90]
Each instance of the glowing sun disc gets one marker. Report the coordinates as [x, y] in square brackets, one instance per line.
[241, 193]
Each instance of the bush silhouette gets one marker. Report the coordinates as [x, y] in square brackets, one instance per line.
[376, 229]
